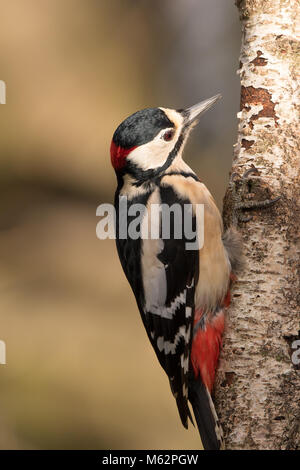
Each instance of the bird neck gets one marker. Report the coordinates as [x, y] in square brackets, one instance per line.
[145, 178]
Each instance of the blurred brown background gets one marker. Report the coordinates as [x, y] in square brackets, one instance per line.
[80, 372]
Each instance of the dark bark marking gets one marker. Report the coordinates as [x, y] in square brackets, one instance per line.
[246, 144]
[259, 61]
[255, 96]
[229, 378]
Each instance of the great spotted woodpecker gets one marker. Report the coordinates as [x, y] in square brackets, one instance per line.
[181, 294]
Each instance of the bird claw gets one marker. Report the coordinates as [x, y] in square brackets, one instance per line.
[253, 169]
[250, 204]
[235, 176]
[244, 218]
[257, 204]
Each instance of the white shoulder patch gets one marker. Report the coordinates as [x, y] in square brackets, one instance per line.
[153, 270]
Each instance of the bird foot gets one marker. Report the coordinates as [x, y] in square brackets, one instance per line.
[242, 189]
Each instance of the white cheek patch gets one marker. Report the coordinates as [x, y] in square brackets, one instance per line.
[155, 153]
[151, 155]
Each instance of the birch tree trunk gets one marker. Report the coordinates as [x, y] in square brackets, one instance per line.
[258, 387]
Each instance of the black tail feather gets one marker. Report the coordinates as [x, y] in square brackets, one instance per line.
[184, 411]
[205, 414]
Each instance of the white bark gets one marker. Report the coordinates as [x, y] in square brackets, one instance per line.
[258, 386]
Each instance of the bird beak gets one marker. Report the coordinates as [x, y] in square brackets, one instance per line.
[198, 109]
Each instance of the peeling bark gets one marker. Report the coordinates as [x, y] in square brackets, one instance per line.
[258, 387]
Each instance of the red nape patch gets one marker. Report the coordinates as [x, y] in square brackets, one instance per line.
[118, 155]
[206, 349]
[227, 299]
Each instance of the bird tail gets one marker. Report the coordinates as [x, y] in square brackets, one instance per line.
[206, 417]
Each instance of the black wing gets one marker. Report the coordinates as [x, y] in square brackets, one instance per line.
[163, 276]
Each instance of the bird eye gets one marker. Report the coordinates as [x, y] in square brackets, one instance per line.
[167, 136]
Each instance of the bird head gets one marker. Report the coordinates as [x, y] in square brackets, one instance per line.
[146, 143]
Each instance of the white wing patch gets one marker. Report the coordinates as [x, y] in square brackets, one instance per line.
[188, 312]
[167, 312]
[184, 363]
[169, 347]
